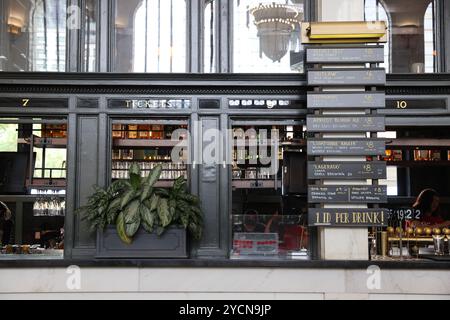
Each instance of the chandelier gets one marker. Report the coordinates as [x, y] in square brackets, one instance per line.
[275, 23]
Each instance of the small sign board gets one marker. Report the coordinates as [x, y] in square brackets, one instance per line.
[346, 77]
[347, 194]
[346, 170]
[346, 124]
[331, 100]
[346, 147]
[347, 217]
[345, 55]
[245, 243]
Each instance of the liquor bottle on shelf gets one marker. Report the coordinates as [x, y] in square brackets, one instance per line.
[397, 155]
[422, 155]
[436, 155]
[116, 154]
[144, 131]
[127, 154]
[60, 131]
[157, 132]
[132, 131]
[118, 132]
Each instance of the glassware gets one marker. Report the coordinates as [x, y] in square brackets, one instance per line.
[438, 241]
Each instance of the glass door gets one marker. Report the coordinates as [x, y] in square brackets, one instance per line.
[269, 187]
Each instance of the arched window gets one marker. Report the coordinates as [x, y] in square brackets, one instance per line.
[150, 36]
[375, 11]
[411, 46]
[430, 49]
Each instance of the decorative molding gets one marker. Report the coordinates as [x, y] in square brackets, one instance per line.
[199, 84]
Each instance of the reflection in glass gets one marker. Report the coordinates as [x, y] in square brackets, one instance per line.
[210, 30]
[375, 11]
[150, 36]
[411, 46]
[34, 34]
[266, 36]
[90, 36]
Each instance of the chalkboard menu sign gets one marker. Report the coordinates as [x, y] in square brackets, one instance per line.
[333, 91]
[346, 170]
[345, 124]
[347, 194]
[331, 100]
[346, 147]
[345, 55]
[348, 217]
[34, 103]
[351, 77]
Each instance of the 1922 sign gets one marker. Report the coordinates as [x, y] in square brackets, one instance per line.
[347, 217]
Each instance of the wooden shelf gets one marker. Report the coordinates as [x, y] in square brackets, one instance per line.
[51, 183]
[418, 143]
[160, 183]
[46, 142]
[418, 163]
[411, 240]
[141, 143]
[268, 143]
[255, 184]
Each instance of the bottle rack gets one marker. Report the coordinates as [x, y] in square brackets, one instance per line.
[148, 145]
[248, 175]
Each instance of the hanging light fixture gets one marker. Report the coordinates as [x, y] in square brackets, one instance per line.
[276, 23]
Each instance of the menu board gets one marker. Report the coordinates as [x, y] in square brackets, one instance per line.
[349, 77]
[333, 91]
[347, 194]
[348, 217]
[347, 170]
[345, 124]
[345, 55]
[346, 147]
[331, 100]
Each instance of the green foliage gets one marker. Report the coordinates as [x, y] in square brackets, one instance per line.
[132, 203]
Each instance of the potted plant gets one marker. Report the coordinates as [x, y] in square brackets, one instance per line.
[134, 219]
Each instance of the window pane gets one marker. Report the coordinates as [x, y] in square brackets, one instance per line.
[38, 228]
[34, 34]
[150, 36]
[411, 44]
[90, 36]
[8, 137]
[263, 39]
[210, 56]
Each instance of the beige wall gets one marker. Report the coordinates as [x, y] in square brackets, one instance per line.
[223, 283]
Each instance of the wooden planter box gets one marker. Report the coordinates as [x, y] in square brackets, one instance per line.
[172, 244]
